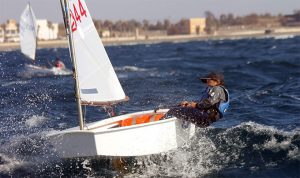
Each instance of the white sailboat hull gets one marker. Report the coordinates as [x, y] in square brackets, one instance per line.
[108, 138]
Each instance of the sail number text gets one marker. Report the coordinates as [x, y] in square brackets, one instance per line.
[76, 15]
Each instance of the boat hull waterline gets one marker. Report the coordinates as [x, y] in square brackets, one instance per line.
[135, 134]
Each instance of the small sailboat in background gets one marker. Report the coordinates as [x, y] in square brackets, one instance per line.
[28, 33]
[28, 44]
[134, 134]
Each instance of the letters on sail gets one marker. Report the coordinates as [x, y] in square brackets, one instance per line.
[28, 33]
[98, 82]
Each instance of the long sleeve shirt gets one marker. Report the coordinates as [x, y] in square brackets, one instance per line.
[211, 98]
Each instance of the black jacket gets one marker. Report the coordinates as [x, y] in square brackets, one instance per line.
[210, 101]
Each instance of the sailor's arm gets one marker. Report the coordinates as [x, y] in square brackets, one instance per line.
[214, 98]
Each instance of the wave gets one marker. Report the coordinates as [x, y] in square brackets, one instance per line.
[249, 146]
[35, 121]
[282, 37]
[295, 97]
[31, 71]
[14, 83]
[131, 69]
[25, 155]
[8, 164]
[162, 59]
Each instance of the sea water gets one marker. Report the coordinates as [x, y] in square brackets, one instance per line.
[258, 137]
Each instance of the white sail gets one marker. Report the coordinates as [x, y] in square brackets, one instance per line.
[28, 32]
[98, 82]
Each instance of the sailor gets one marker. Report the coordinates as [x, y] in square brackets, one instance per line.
[59, 64]
[211, 106]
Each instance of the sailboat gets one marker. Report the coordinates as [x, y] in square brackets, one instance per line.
[28, 33]
[28, 44]
[134, 134]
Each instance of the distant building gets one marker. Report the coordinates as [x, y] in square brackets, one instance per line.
[192, 26]
[104, 33]
[46, 30]
[291, 20]
[197, 25]
[11, 31]
[2, 34]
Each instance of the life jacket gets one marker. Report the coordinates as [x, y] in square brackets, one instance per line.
[221, 106]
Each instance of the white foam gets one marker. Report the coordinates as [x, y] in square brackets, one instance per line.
[251, 98]
[273, 144]
[294, 97]
[274, 47]
[122, 76]
[85, 165]
[14, 83]
[8, 164]
[202, 156]
[30, 71]
[276, 146]
[294, 154]
[260, 128]
[130, 68]
[194, 160]
[35, 121]
[282, 37]
[164, 59]
[62, 125]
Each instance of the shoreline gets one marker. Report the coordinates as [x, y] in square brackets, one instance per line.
[159, 39]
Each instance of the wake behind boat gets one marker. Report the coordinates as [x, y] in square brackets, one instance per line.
[135, 134]
[39, 71]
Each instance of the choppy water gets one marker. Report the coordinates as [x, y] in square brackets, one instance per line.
[259, 136]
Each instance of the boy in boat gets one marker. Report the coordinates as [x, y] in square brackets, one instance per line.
[210, 108]
[59, 64]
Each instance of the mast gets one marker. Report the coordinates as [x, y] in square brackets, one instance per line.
[67, 21]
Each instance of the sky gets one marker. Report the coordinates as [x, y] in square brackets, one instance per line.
[152, 10]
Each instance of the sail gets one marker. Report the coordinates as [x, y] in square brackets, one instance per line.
[28, 32]
[98, 82]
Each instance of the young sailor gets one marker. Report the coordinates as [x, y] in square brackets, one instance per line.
[211, 107]
[59, 64]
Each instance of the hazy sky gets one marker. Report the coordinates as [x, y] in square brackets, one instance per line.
[152, 10]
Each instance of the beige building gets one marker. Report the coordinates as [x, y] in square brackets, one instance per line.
[2, 34]
[192, 26]
[197, 25]
[11, 31]
[46, 30]
[104, 33]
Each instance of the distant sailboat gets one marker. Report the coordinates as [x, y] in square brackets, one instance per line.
[28, 32]
[135, 134]
[28, 44]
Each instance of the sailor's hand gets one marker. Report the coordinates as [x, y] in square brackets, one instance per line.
[193, 104]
